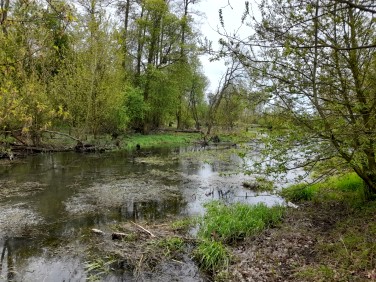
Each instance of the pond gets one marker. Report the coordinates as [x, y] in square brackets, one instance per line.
[50, 202]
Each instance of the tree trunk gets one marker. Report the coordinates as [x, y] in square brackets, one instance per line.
[4, 7]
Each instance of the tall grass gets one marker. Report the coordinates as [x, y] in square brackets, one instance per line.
[348, 188]
[230, 223]
[212, 256]
[224, 224]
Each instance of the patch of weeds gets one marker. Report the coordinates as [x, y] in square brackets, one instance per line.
[346, 188]
[298, 192]
[321, 273]
[184, 225]
[346, 183]
[171, 246]
[98, 267]
[348, 252]
[223, 224]
[212, 256]
[355, 247]
[231, 223]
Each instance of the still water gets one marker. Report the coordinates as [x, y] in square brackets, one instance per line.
[50, 202]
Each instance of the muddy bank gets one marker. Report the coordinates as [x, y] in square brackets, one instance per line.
[146, 252]
[293, 250]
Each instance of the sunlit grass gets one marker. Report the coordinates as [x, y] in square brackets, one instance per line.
[152, 140]
[344, 188]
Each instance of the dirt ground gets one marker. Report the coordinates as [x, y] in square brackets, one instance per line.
[293, 251]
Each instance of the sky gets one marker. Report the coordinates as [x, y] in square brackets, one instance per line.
[210, 23]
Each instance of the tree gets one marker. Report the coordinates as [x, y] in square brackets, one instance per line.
[227, 81]
[316, 59]
[26, 43]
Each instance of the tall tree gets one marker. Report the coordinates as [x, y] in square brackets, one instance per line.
[316, 58]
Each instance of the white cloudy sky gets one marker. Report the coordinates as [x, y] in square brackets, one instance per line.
[210, 23]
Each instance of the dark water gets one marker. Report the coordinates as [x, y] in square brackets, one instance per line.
[61, 197]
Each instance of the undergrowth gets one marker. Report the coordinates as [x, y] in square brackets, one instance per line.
[346, 188]
[348, 252]
[226, 224]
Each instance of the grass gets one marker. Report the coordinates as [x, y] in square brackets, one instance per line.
[261, 185]
[348, 252]
[148, 141]
[99, 267]
[171, 246]
[226, 224]
[183, 225]
[212, 256]
[231, 223]
[346, 188]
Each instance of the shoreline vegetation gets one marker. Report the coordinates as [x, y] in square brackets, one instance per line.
[61, 141]
[328, 236]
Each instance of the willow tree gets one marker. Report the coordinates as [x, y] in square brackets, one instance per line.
[316, 59]
[31, 48]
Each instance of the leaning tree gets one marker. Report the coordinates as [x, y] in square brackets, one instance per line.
[316, 59]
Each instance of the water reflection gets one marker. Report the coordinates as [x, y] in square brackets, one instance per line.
[84, 191]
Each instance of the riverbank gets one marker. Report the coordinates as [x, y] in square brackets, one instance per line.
[329, 237]
[63, 142]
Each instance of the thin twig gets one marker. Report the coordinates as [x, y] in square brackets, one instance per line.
[144, 229]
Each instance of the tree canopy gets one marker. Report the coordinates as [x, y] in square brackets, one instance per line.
[316, 61]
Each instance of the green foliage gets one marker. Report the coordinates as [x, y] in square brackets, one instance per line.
[63, 68]
[298, 192]
[171, 246]
[184, 225]
[223, 224]
[212, 256]
[348, 188]
[260, 185]
[321, 87]
[135, 106]
[147, 141]
[234, 222]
